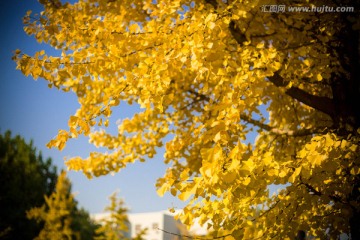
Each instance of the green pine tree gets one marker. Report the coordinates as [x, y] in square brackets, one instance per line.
[27, 177]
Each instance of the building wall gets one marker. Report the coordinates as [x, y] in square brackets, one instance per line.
[149, 221]
[171, 226]
[154, 221]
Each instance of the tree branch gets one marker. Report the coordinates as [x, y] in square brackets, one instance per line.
[277, 131]
[236, 33]
[322, 104]
[192, 237]
[315, 192]
[256, 123]
[213, 3]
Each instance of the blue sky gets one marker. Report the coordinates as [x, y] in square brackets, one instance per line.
[34, 111]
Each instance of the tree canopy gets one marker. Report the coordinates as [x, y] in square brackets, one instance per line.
[56, 212]
[208, 75]
[25, 178]
[28, 181]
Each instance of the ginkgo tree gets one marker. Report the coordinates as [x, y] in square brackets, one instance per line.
[117, 225]
[55, 213]
[208, 75]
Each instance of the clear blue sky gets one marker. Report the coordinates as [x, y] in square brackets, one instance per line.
[34, 111]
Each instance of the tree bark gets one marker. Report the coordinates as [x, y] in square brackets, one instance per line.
[354, 220]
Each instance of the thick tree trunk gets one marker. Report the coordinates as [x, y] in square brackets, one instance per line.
[346, 99]
[354, 221]
[355, 226]
[346, 87]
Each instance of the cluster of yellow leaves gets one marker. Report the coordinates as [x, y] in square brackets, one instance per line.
[205, 93]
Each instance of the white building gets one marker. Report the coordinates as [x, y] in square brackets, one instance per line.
[160, 225]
